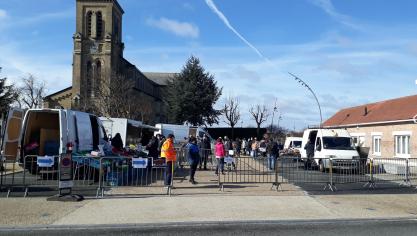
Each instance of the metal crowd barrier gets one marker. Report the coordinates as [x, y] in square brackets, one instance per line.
[116, 172]
[182, 160]
[247, 170]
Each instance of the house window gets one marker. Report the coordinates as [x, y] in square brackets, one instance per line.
[376, 145]
[402, 145]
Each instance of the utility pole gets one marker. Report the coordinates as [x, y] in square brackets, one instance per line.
[273, 114]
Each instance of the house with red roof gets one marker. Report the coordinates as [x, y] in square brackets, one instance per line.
[381, 129]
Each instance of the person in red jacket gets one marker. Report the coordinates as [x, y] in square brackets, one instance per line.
[220, 153]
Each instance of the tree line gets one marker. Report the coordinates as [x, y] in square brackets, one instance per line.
[28, 94]
[190, 97]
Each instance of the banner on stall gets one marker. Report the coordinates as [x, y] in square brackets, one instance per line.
[139, 162]
[46, 161]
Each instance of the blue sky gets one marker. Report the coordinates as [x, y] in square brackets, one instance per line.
[349, 52]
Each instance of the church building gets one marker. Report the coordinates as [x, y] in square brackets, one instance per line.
[98, 59]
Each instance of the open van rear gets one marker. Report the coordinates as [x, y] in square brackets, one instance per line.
[49, 132]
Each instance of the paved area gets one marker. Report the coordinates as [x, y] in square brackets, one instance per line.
[34, 211]
[380, 227]
[205, 203]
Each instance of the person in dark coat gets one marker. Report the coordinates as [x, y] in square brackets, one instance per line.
[117, 143]
[152, 147]
[206, 150]
[193, 156]
[309, 147]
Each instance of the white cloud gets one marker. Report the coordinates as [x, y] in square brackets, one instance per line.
[183, 29]
[327, 6]
[3, 14]
[223, 18]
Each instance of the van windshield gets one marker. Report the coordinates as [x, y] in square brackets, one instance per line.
[339, 143]
[296, 144]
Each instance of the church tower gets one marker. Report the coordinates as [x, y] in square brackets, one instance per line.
[98, 47]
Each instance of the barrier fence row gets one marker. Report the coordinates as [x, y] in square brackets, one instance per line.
[95, 175]
[327, 171]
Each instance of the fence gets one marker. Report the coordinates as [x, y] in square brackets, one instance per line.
[237, 169]
[329, 172]
[97, 174]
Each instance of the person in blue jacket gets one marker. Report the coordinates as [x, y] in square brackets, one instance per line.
[193, 156]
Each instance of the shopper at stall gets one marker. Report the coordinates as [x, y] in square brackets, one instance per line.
[220, 153]
[152, 147]
[117, 143]
[193, 156]
[168, 152]
[206, 149]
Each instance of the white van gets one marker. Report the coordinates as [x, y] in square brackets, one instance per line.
[330, 143]
[50, 132]
[292, 146]
[181, 132]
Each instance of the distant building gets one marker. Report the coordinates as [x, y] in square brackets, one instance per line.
[98, 56]
[382, 129]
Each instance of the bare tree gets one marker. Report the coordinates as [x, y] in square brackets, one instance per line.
[231, 112]
[118, 98]
[260, 114]
[31, 92]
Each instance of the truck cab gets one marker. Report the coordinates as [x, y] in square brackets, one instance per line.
[331, 145]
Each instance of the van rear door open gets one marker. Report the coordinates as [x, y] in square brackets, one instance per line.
[12, 133]
[84, 131]
[64, 130]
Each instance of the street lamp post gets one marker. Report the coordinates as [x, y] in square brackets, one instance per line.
[300, 81]
[273, 114]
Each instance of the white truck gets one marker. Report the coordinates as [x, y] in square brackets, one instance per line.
[130, 130]
[331, 144]
[50, 132]
[292, 146]
[181, 132]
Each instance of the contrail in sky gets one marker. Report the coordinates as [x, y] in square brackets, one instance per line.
[222, 17]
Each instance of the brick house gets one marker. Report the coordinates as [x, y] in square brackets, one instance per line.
[381, 129]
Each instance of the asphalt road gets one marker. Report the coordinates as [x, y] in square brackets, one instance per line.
[335, 227]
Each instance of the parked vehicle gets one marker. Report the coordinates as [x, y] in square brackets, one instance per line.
[181, 132]
[51, 132]
[292, 146]
[130, 130]
[335, 144]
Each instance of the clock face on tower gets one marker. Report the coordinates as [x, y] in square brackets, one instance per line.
[94, 48]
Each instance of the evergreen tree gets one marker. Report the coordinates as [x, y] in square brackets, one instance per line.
[192, 94]
[8, 95]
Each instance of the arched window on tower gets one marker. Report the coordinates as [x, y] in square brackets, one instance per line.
[88, 23]
[88, 81]
[99, 24]
[97, 80]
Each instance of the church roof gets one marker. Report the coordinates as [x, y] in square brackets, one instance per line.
[58, 92]
[116, 3]
[159, 77]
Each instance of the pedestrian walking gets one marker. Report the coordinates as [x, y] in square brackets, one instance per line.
[220, 153]
[168, 152]
[272, 152]
[254, 146]
[193, 156]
